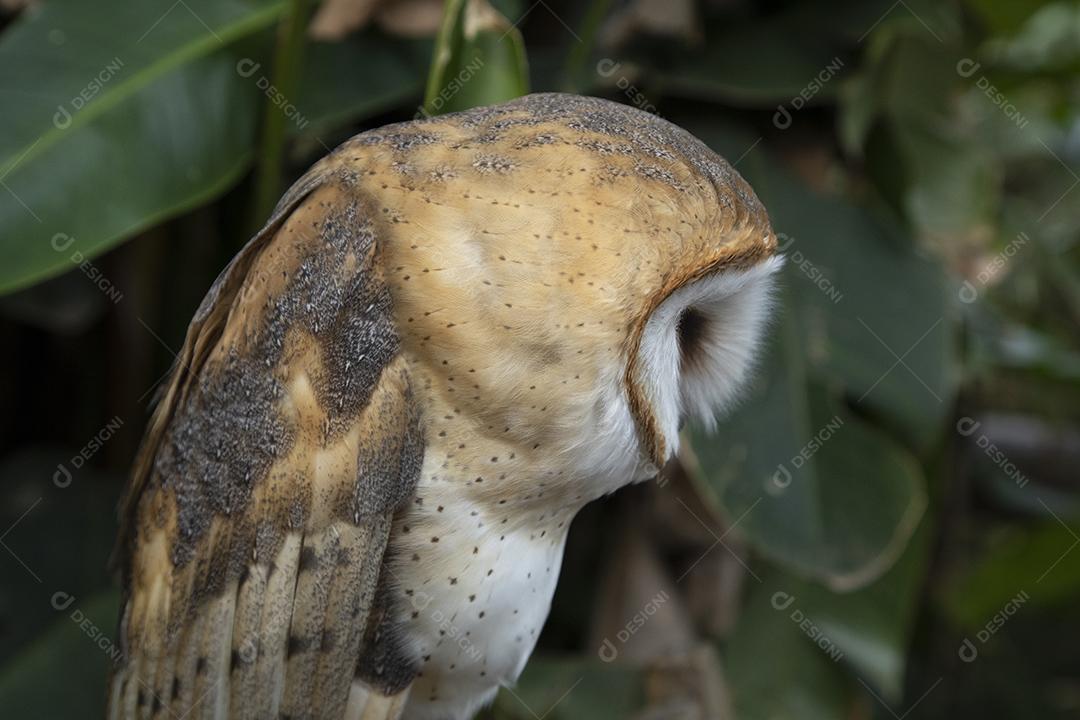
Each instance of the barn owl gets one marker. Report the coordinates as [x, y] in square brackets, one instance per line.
[353, 496]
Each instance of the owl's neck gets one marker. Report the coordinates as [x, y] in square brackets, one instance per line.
[474, 582]
[477, 555]
[504, 469]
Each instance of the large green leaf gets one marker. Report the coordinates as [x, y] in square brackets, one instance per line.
[479, 59]
[775, 672]
[864, 333]
[872, 626]
[791, 58]
[329, 101]
[953, 176]
[115, 116]
[809, 483]
[178, 132]
[760, 64]
[874, 315]
[67, 62]
[932, 158]
[796, 641]
[174, 145]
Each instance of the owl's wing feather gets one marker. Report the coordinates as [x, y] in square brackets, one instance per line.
[204, 330]
[262, 499]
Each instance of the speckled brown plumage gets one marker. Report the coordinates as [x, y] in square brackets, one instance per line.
[392, 383]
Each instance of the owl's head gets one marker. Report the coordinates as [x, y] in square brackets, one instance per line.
[696, 349]
[575, 277]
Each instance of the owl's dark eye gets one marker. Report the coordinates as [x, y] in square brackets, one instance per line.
[691, 333]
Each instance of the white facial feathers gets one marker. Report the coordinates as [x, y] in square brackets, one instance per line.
[701, 342]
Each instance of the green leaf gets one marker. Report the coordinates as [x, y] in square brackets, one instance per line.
[872, 626]
[1004, 16]
[1040, 561]
[854, 329]
[760, 64]
[397, 77]
[144, 151]
[796, 641]
[131, 99]
[291, 37]
[775, 672]
[953, 176]
[930, 161]
[68, 62]
[856, 112]
[795, 57]
[572, 688]
[1046, 40]
[174, 145]
[809, 479]
[479, 59]
[807, 482]
[955, 184]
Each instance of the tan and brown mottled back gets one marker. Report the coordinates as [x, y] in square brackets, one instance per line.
[441, 339]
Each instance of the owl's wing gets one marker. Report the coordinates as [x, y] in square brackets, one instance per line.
[262, 498]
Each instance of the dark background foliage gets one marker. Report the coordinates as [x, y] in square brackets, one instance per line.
[887, 526]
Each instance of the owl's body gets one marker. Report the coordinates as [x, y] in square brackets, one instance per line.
[475, 604]
[452, 335]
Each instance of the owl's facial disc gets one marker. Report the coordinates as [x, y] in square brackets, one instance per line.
[699, 345]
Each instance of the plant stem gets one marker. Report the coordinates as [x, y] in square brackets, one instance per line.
[580, 51]
[442, 52]
[288, 56]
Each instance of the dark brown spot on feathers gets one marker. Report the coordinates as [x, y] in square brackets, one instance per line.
[386, 660]
[307, 559]
[298, 644]
[227, 432]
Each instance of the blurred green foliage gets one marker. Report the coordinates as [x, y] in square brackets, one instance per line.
[475, 41]
[901, 470]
